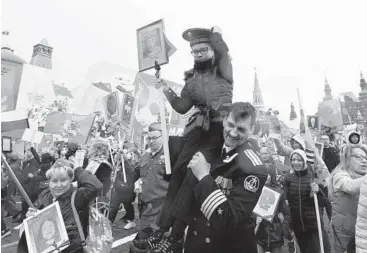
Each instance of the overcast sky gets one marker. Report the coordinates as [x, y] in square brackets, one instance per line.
[290, 43]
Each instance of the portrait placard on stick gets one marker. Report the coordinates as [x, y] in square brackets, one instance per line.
[313, 122]
[267, 205]
[127, 113]
[111, 106]
[151, 45]
[46, 232]
[320, 148]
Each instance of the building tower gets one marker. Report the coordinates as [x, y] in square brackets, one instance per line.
[363, 85]
[327, 90]
[11, 72]
[42, 55]
[257, 96]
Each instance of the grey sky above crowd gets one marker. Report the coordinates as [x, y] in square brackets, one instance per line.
[291, 43]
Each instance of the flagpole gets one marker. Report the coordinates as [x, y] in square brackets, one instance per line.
[317, 210]
[163, 123]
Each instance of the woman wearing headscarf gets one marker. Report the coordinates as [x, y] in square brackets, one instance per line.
[344, 189]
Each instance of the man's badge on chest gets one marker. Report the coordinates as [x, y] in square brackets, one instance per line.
[228, 159]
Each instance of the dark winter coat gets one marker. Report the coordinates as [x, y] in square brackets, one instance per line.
[331, 157]
[31, 167]
[126, 190]
[298, 193]
[89, 187]
[39, 181]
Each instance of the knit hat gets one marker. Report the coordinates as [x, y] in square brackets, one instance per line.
[302, 154]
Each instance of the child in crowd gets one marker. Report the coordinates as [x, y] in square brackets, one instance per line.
[269, 236]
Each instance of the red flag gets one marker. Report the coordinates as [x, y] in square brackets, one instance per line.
[62, 91]
[103, 86]
[72, 126]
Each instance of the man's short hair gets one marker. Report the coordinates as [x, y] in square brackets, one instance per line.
[155, 126]
[243, 110]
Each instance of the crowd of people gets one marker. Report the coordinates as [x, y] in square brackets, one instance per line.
[219, 169]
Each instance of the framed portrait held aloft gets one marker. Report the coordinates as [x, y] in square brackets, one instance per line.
[127, 113]
[267, 205]
[313, 122]
[46, 232]
[111, 106]
[320, 148]
[151, 45]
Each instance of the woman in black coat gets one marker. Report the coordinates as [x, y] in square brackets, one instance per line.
[60, 177]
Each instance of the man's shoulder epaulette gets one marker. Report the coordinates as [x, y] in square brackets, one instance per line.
[249, 161]
[188, 74]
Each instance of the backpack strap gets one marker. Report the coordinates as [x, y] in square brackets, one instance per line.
[77, 219]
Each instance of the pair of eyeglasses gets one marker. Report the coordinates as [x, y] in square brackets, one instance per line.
[153, 138]
[203, 51]
[360, 158]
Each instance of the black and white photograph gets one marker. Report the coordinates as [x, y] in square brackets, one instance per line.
[127, 110]
[320, 148]
[151, 45]
[111, 106]
[192, 126]
[313, 122]
[46, 232]
[267, 205]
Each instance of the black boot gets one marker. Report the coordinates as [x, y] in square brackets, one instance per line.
[149, 242]
[168, 245]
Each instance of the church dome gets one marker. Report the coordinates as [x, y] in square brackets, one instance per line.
[8, 55]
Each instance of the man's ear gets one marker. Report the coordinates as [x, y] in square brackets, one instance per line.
[225, 120]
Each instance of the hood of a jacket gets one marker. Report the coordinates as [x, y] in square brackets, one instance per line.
[298, 138]
[302, 154]
[350, 137]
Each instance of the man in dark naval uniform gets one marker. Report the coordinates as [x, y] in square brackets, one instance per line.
[227, 192]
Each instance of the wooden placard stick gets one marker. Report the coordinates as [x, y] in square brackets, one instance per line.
[162, 114]
[17, 183]
[121, 144]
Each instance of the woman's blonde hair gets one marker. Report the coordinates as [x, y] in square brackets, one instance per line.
[61, 166]
[346, 151]
[344, 161]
